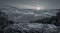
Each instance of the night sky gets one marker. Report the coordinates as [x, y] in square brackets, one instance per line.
[32, 4]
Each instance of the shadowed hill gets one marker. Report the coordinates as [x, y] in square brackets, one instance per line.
[4, 22]
[52, 20]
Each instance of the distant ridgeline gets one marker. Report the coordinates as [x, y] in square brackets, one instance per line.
[55, 20]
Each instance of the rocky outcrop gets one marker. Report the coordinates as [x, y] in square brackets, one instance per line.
[31, 28]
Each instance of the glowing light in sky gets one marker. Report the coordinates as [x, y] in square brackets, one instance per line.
[30, 7]
[38, 8]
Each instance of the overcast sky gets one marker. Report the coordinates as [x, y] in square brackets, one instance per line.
[46, 4]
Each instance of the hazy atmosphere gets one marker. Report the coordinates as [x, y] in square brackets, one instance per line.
[29, 16]
[32, 4]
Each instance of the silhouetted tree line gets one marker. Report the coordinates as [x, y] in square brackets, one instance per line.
[53, 20]
[4, 22]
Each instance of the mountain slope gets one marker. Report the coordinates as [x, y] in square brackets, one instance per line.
[26, 15]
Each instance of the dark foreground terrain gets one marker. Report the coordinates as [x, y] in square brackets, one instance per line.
[46, 25]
